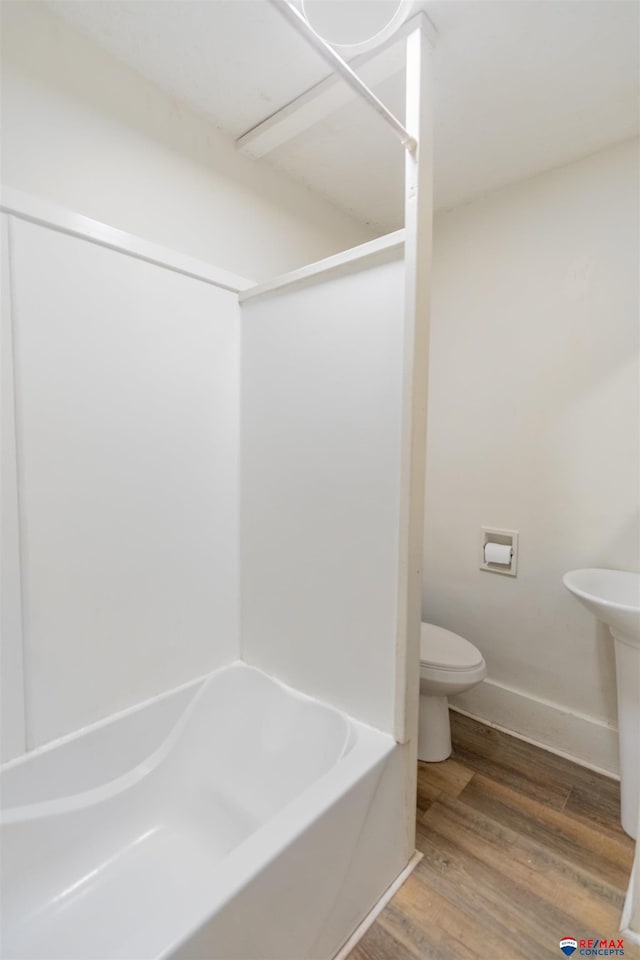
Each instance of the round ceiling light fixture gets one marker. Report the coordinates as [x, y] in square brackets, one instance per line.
[355, 26]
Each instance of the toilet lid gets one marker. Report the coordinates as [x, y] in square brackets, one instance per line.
[442, 648]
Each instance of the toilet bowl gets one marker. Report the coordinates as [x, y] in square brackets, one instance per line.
[449, 664]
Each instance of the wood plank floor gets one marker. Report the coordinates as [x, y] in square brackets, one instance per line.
[521, 848]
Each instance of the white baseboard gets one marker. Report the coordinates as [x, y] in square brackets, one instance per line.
[360, 930]
[586, 740]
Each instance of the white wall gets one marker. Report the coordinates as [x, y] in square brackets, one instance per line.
[534, 426]
[320, 487]
[82, 130]
[126, 399]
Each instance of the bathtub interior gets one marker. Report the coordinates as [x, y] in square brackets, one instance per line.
[123, 868]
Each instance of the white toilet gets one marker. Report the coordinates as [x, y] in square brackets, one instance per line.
[448, 664]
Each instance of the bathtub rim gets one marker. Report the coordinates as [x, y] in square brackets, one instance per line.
[104, 722]
[79, 800]
[366, 756]
[371, 750]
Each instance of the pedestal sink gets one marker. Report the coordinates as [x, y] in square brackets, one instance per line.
[613, 596]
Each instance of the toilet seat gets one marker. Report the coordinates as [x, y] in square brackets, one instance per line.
[441, 649]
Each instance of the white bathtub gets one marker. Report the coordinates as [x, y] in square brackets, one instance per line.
[233, 820]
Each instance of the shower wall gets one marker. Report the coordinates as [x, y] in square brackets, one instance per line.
[145, 547]
[320, 485]
[126, 444]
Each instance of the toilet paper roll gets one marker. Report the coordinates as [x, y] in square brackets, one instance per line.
[497, 553]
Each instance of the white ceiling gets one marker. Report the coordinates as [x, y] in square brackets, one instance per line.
[521, 86]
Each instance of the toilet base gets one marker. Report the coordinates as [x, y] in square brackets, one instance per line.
[434, 731]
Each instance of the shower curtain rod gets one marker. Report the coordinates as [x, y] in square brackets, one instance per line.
[326, 51]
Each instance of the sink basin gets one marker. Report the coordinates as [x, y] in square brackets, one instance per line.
[612, 596]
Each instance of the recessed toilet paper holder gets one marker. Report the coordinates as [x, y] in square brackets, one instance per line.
[499, 551]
